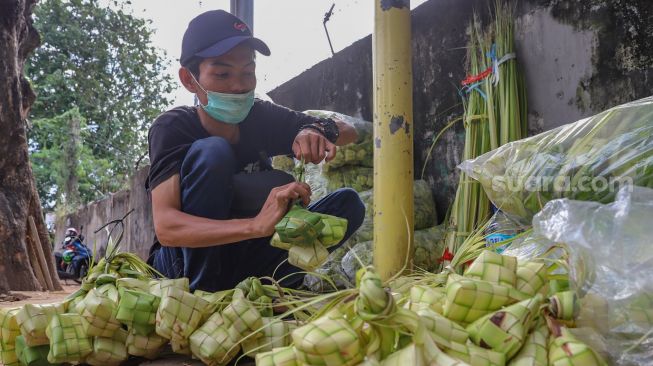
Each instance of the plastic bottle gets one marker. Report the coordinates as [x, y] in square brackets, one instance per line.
[500, 229]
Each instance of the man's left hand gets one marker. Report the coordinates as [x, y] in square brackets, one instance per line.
[313, 147]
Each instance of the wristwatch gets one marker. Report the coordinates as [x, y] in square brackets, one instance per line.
[330, 129]
[326, 127]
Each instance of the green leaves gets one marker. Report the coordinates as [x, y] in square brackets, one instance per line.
[100, 61]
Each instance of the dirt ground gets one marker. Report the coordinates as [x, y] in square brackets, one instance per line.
[19, 298]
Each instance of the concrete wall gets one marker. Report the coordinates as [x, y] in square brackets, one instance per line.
[580, 57]
[139, 229]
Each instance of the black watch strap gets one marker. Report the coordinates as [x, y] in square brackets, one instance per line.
[326, 127]
[330, 129]
[314, 128]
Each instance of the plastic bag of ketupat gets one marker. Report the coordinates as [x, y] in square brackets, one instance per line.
[330, 276]
[611, 258]
[429, 247]
[358, 153]
[425, 214]
[583, 161]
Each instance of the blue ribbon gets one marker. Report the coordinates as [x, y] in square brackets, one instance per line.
[469, 88]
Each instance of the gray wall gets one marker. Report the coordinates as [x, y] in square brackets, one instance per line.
[139, 229]
[580, 57]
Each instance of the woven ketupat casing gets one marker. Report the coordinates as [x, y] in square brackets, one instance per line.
[531, 278]
[34, 319]
[565, 349]
[505, 330]
[212, 344]
[535, 349]
[179, 314]
[241, 317]
[9, 330]
[145, 346]
[474, 355]
[109, 351]
[443, 330]
[333, 231]
[327, 342]
[564, 305]
[132, 284]
[282, 356]
[35, 355]
[137, 310]
[307, 258]
[277, 243]
[424, 296]
[180, 346]
[409, 355]
[68, 340]
[469, 299]
[494, 267]
[276, 334]
[159, 287]
[99, 310]
[299, 226]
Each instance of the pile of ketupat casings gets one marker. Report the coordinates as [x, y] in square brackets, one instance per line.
[499, 312]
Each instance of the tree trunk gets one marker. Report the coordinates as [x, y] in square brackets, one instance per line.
[71, 161]
[18, 196]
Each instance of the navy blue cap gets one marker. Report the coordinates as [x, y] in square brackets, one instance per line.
[214, 33]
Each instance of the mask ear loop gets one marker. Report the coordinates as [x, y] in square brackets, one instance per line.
[198, 83]
[197, 100]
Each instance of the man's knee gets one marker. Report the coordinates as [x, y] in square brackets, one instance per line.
[355, 207]
[213, 154]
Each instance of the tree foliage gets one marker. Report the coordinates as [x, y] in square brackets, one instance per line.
[97, 62]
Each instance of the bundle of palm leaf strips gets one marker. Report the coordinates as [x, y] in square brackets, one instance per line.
[494, 101]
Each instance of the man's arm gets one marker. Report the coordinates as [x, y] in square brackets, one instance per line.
[312, 146]
[348, 134]
[175, 228]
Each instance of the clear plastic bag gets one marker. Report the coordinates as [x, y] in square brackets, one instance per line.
[583, 161]
[363, 127]
[359, 153]
[424, 208]
[429, 246]
[614, 244]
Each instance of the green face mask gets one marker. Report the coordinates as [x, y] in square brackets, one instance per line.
[228, 108]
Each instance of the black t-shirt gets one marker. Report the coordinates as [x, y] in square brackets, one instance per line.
[268, 130]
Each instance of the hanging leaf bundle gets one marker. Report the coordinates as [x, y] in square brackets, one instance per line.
[494, 101]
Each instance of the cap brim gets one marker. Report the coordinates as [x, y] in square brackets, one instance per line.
[225, 45]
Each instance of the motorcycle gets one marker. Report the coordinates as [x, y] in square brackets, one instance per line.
[74, 259]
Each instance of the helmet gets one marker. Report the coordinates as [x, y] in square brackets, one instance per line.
[68, 256]
[71, 231]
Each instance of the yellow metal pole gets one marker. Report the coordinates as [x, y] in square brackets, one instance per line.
[393, 137]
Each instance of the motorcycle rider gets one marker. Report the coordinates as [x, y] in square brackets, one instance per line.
[73, 241]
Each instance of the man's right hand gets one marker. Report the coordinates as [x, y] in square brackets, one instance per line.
[277, 204]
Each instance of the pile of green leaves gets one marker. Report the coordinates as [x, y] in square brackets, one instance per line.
[588, 160]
